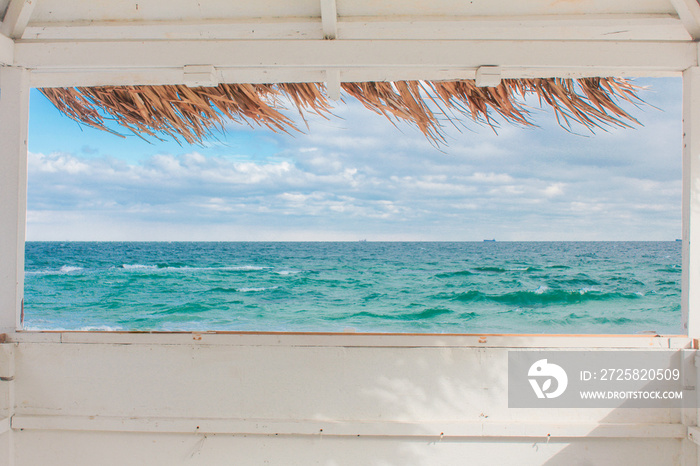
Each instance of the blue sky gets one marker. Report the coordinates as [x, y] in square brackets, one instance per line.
[357, 176]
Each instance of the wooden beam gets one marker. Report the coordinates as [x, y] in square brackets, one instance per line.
[690, 290]
[543, 27]
[17, 17]
[261, 75]
[7, 50]
[14, 119]
[436, 429]
[643, 57]
[329, 19]
[689, 13]
[333, 84]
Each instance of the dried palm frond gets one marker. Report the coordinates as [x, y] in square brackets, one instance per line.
[195, 113]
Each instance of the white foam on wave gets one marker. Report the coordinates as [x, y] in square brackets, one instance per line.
[287, 272]
[541, 289]
[234, 268]
[139, 267]
[69, 268]
[245, 268]
[248, 290]
[37, 327]
[100, 328]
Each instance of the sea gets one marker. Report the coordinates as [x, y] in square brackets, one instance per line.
[364, 286]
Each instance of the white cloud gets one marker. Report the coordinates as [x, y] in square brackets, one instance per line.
[555, 189]
[361, 178]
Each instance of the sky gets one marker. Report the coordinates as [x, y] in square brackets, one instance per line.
[356, 176]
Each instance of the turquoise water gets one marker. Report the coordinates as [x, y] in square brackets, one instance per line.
[488, 287]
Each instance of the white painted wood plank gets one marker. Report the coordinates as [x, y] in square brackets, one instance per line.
[268, 28]
[355, 340]
[275, 54]
[63, 448]
[62, 10]
[7, 50]
[329, 19]
[17, 17]
[436, 430]
[689, 13]
[548, 27]
[690, 296]
[261, 75]
[14, 118]
[333, 84]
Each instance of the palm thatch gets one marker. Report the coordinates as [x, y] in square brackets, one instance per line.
[194, 114]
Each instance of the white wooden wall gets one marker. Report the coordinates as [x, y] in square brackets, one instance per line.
[70, 399]
[308, 399]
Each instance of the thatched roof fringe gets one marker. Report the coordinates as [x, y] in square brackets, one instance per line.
[194, 114]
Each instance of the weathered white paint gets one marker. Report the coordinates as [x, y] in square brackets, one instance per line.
[689, 13]
[132, 398]
[261, 75]
[279, 60]
[48, 11]
[17, 17]
[7, 50]
[690, 300]
[109, 449]
[329, 19]
[154, 402]
[359, 340]
[548, 27]
[333, 84]
[445, 430]
[14, 118]
[7, 403]
[274, 54]
[488, 76]
[200, 76]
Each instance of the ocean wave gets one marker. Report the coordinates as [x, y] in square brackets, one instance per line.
[221, 289]
[490, 269]
[243, 268]
[458, 273]
[225, 289]
[139, 267]
[612, 320]
[100, 328]
[188, 268]
[580, 280]
[186, 308]
[66, 269]
[493, 269]
[35, 327]
[541, 295]
[666, 283]
[421, 315]
[69, 269]
[262, 288]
